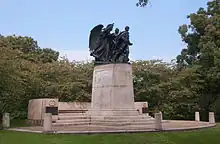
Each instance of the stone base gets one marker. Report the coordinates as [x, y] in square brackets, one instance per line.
[112, 100]
[34, 122]
[112, 112]
[112, 91]
[39, 122]
[91, 129]
[108, 120]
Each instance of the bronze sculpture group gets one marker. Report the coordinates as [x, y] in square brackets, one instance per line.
[107, 47]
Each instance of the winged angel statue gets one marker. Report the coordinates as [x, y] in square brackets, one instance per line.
[107, 47]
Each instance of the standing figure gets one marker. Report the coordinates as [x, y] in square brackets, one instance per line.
[113, 49]
[123, 45]
[115, 34]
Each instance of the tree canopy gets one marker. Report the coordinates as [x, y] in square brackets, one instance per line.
[202, 53]
[142, 3]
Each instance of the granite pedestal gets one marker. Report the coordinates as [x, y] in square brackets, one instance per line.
[112, 101]
[112, 92]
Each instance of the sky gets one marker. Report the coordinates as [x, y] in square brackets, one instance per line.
[64, 25]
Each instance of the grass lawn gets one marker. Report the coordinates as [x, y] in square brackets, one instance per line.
[205, 136]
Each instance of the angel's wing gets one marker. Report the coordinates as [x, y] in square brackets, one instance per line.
[94, 34]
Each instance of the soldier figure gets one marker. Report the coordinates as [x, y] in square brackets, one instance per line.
[123, 44]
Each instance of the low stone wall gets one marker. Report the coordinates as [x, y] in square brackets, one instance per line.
[140, 105]
[37, 108]
[73, 105]
[87, 105]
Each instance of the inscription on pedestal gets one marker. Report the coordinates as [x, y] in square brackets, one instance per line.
[103, 78]
[52, 110]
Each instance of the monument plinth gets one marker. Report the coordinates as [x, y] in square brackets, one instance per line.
[112, 91]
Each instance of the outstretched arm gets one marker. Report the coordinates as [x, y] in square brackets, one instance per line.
[129, 43]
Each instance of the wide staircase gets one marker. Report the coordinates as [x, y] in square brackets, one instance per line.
[80, 117]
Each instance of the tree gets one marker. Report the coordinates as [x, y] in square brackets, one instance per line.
[29, 49]
[203, 51]
[21, 60]
[142, 3]
[11, 86]
[23, 44]
[147, 76]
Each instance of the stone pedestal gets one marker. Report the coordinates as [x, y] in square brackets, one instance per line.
[47, 125]
[158, 121]
[211, 117]
[6, 120]
[161, 115]
[112, 91]
[197, 116]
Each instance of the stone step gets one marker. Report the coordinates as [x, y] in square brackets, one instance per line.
[80, 116]
[104, 123]
[123, 120]
[73, 121]
[70, 124]
[73, 111]
[92, 127]
[73, 117]
[123, 117]
[106, 120]
[72, 114]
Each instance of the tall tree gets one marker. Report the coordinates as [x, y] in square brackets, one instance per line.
[202, 37]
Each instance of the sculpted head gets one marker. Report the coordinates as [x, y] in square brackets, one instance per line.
[116, 30]
[127, 28]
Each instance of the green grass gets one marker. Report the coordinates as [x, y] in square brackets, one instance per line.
[18, 123]
[205, 136]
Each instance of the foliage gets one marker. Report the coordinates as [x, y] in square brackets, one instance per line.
[203, 53]
[147, 77]
[37, 73]
[166, 89]
[142, 3]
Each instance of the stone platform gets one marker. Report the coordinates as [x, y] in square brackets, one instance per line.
[84, 119]
[112, 100]
[169, 125]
